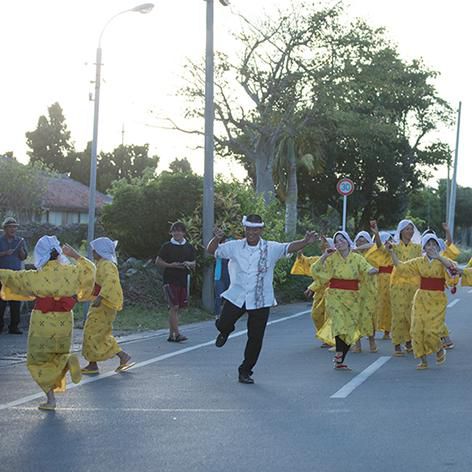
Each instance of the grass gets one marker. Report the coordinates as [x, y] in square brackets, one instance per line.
[140, 318]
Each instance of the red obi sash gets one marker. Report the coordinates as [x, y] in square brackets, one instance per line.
[96, 290]
[344, 284]
[431, 283]
[47, 304]
[385, 269]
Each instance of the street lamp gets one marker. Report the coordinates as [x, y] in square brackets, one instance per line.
[143, 8]
[208, 210]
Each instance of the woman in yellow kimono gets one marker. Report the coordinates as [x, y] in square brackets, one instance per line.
[55, 287]
[343, 270]
[99, 343]
[407, 246]
[450, 251]
[430, 301]
[302, 266]
[368, 288]
[380, 258]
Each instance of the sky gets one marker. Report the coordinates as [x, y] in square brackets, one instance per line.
[48, 55]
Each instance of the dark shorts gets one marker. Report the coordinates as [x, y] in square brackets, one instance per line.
[176, 295]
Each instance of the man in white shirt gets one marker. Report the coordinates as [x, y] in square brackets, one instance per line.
[251, 269]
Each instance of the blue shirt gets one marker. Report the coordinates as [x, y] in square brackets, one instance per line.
[12, 262]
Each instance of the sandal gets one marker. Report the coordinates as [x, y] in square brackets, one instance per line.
[177, 339]
[399, 353]
[441, 357]
[125, 367]
[422, 366]
[342, 367]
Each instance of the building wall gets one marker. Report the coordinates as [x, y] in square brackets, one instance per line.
[64, 218]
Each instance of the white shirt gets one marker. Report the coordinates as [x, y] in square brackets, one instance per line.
[251, 271]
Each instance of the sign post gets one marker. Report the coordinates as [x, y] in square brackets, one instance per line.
[345, 187]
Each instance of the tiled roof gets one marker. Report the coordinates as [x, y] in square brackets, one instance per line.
[63, 193]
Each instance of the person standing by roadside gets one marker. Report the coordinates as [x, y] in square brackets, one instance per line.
[12, 254]
[251, 267]
[177, 258]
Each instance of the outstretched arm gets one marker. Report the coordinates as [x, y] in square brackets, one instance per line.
[217, 238]
[375, 230]
[310, 237]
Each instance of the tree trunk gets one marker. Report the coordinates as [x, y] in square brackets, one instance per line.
[291, 213]
[264, 178]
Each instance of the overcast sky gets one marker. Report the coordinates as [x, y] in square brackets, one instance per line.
[48, 54]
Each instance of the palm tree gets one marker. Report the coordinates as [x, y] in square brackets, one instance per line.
[289, 158]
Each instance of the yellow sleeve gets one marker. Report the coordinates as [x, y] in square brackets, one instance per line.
[321, 272]
[109, 280]
[86, 279]
[17, 285]
[363, 265]
[451, 252]
[302, 265]
[467, 277]
[469, 264]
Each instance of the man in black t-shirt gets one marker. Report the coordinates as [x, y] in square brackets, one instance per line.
[177, 258]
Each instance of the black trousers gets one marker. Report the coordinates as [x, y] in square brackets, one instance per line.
[14, 314]
[341, 346]
[256, 324]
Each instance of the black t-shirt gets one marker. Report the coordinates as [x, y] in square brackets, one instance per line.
[176, 253]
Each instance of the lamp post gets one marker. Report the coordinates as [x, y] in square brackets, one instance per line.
[143, 8]
[208, 210]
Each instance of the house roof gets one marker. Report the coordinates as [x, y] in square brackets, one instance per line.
[63, 193]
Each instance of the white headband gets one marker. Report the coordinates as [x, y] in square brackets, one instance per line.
[365, 235]
[250, 224]
[105, 248]
[346, 237]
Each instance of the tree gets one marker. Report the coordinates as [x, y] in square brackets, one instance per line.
[50, 142]
[23, 188]
[263, 96]
[181, 165]
[141, 211]
[123, 163]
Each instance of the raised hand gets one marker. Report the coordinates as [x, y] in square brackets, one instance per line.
[69, 251]
[373, 226]
[218, 233]
[310, 237]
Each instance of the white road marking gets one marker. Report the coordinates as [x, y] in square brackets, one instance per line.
[469, 291]
[138, 365]
[360, 378]
[454, 302]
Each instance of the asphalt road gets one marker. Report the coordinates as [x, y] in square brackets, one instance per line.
[182, 409]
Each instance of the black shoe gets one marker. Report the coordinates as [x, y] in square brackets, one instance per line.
[15, 331]
[245, 379]
[221, 340]
[177, 339]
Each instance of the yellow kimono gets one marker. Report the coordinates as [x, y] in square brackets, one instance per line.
[429, 306]
[402, 290]
[451, 252]
[380, 258]
[368, 290]
[302, 266]
[99, 343]
[343, 307]
[50, 333]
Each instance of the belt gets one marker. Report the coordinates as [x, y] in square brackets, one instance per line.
[48, 304]
[432, 283]
[385, 269]
[344, 284]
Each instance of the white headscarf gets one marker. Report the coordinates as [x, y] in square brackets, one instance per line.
[330, 242]
[441, 242]
[416, 238]
[105, 248]
[385, 236]
[250, 224]
[346, 237]
[428, 237]
[43, 249]
[365, 235]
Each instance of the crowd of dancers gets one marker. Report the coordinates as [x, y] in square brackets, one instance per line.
[390, 283]
[395, 283]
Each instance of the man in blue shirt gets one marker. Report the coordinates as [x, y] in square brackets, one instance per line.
[12, 254]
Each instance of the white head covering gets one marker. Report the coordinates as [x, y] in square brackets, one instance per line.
[428, 237]
[250, 224]
[43, 249]
[385, 236]
[416, 238]
[363, 234]
[330, 242]
[105, 248]
[441, 242]
[346, 237]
